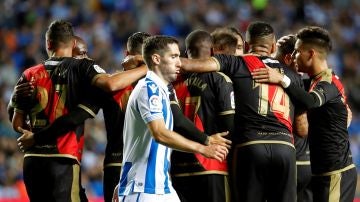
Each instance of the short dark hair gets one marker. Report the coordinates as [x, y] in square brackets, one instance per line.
[315, 36]
[225, 40]
[135, 42]
[287, 45]
[229, 30]
[59, 31]
[156, 44]
[258, 29]
[196, 40]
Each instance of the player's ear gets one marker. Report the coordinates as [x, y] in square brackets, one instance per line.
[155, 58]
[273, 47]
[288, 59]
[247, 47]
[49, 45]
[74, 42]
[127, 53]
[312, 53]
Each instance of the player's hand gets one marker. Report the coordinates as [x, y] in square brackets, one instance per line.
[132, 61]
[23, 91]
[26, 140]
[219, 138]
[214, 151]
[267, 75]
[115, 197]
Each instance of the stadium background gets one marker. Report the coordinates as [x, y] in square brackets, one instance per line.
[105, 26]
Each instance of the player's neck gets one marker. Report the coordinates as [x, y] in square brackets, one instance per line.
[62, 52]
[319, 67]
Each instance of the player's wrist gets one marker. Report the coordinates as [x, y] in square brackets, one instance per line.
[285, 81]
[207, 140]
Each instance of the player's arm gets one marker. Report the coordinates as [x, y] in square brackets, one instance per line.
[119, 80]
[21, 93]
[349, 117]
[184, 126]
[225, 101]
[301, 124]
[19, 121]
[60, 126]
[178, 142]
[199, 65]
[20, 104]
[317, 97]
[227, 124]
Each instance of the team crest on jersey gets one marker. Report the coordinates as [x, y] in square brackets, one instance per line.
[153, 87]
[98, 69]
[155, 103]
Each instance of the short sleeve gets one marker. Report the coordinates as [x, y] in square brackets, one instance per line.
[150, 102]
[22, 104]
[225, 95]
[232, 66]
[325, 91]
[90, 70]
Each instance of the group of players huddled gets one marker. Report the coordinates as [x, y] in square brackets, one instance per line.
[250, 119]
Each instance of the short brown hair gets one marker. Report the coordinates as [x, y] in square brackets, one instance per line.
[317, 37]
[156, 44]
[59, 31]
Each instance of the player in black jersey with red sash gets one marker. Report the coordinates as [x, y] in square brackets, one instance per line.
[207, 99]
[263, 156]
[334, 174]
[285, 47]
[114, 113]
[63, 86]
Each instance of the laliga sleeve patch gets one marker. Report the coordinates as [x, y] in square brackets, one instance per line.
[155, 104]
[98, 69]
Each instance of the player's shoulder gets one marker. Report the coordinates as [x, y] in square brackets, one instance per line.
[221, 77]
[34, 69]
[271, 62]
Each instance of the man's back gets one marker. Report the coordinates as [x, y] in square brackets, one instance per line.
[61, 85]
[263, 112]
[204, 98]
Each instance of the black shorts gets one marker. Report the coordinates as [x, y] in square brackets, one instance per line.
[335, 187]
[111, 179]
[52, 179]
[264, 171]
[209, 188]
[304, 191]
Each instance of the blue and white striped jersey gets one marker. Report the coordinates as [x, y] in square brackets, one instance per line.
[146, 163]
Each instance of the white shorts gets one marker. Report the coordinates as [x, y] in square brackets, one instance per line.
[144, 197]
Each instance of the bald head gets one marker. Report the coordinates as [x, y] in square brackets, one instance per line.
[80, 50]
[198, 44]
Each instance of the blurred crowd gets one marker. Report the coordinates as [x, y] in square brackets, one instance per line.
[105, 26]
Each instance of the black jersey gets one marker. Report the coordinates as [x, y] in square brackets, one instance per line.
[114, 107]
[302, 148]
[204, 98]
[61, 85]
[328, 134]
[264, 112]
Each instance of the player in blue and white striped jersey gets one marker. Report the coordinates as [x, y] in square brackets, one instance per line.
[148, 135]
